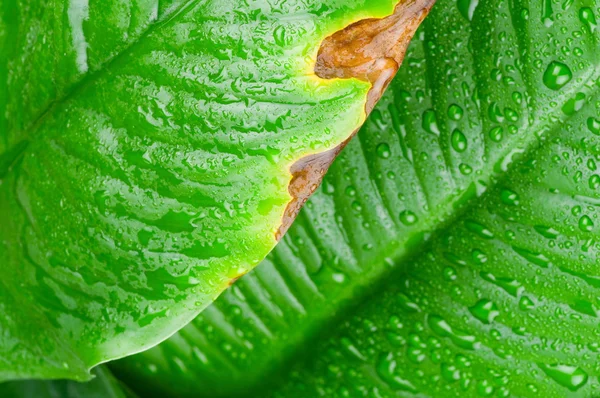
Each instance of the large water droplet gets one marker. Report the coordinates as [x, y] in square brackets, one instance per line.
[586, 15]
[467, 8]
[479, 229]
[534, 258]
[511, 286]
[459, 141]
[546, 232]
[593, 125]
[571, 377]
[485, 310]
[496, 134]
[525, 303]
[557, 75]
[509, 197]
[455, 112]
[586, 224]
[430, 122]
[594, 181]
[547, 17]
[495, 113]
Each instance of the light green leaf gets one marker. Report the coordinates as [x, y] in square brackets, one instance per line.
[103, 385]
[145, 160]
[487, 141]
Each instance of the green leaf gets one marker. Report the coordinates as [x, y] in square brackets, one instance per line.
[475, 150]
[103, 385]
[145, 160]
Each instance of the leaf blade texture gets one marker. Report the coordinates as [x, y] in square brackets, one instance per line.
[145, 160]
[492, 237]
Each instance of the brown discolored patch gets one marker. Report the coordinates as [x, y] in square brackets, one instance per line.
[370, 50]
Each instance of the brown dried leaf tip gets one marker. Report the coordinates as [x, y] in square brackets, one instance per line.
[371, 50]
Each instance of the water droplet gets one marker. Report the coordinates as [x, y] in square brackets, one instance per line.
[495, 113]
[594, 181]
[386, 367]
[351, 349]
[459, 141]
[586, 15]
[479, 257]
[479, 229]
[511, 286]
[586, 224]
[547, 17]
[449, 274]
[407, 217]
[383, 151]
[517, 97]
[484, 388]
[525, 303]
[443, 329]
[430, 122]
[509, 197]
[450, 372]
[467, 8]
[557, 75]
[571, 377]
[485, 310]
[574, 104]
[534, 258]
[455, 112]
[416, 355]
[496, 134]
[593, 125]
[407, 304]
[465, 169]
[511, 114]
[546, 232]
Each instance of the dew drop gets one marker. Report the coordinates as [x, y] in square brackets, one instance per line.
[386, 368]
[546, 232]
[455, 112]
[571, 377]
[485, 310]
[509, 197]
[495, 113]
[586, 15]
[479, 229]
[593, 125]
[557, 75]
[459, 141]
[594, 181]
[465, 169]
[407, 217]
[586, 224]
[430, 122]
[525, 303]
[496, 134]
[383, 151]
[467, 8]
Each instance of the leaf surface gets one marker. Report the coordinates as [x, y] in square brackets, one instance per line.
[104, 385]
[485, 148]
[145, 158]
